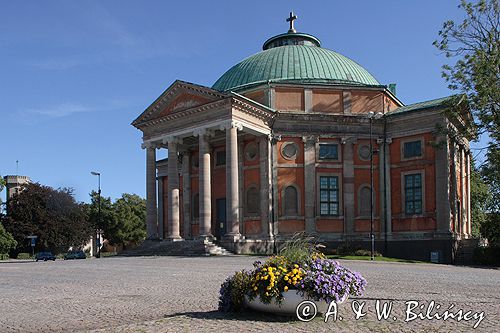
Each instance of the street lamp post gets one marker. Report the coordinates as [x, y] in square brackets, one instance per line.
[98, 231]
[372, 115]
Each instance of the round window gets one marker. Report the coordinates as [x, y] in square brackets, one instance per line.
[364, 152]
[289, 150]
[251, 151]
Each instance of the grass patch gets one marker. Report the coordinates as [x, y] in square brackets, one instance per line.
[386, 259]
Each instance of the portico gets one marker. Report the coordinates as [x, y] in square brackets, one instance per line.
[195, 154]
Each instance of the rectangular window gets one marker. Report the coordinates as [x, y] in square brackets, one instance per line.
[220, 158]
[412, 149]
[328, 152]
[329, 195]
[413, 194]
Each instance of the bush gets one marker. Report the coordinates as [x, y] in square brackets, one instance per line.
[365, 253]
[346, 249]
[4, 256]
[489, 256]
[233, 291]
[24, 256]
[298, 249]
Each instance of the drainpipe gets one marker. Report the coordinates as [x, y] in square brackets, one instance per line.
[385, 186]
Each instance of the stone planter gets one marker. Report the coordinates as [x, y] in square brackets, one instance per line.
[288, 305]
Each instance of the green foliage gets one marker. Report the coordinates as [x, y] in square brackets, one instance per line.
[480, 196]
[298, 249]
[123, 222]
[2, 185]
[490, 229]
[52, 215]
[7, 242]
[130, 213]
[475, 42]
[487, 256]
[233, 291]
[24, 256]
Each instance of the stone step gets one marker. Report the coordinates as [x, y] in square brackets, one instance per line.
[178, 248]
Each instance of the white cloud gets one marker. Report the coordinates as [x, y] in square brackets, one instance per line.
[62, 110]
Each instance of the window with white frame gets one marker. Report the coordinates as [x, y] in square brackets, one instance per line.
[329, 195]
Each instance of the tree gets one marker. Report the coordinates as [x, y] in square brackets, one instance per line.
[123, 221]
[479, 200]
[475, 42]
[52, 215]
[7, 242]
[130, 212]
[106, 219]
[2, 185]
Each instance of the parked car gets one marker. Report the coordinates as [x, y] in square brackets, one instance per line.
[45, 256]
[75, 255]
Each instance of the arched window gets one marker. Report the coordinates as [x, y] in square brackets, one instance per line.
[252, 201]
[196, 206]
[364, 201]
[291, 205]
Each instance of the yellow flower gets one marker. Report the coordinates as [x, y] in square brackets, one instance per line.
[286, 288]
[286, 278]
[255, 288]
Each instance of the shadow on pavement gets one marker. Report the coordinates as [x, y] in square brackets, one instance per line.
[246, 315]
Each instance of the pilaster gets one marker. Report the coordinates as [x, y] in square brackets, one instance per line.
[265, 186]
[443, 186]
[348, 184]
[309, 182]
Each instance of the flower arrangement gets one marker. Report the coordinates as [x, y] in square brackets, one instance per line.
[297, 267]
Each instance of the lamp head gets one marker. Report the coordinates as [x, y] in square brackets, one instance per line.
[95, 173]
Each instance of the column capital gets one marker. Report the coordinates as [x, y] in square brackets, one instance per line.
[204, 131]
[149, 145]
[348, 139]
[274, 138]
[310, 139]
[381, 141]
[171, 139]
[231, 124]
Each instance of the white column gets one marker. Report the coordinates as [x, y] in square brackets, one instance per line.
[173, 190]
[161, 219]
[205, 194]
[186, 193]
[463, 202]
[151, 211]
[232, 186]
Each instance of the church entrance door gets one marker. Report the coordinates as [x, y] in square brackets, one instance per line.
[220, 228]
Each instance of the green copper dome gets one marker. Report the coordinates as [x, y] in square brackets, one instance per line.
[305, 63]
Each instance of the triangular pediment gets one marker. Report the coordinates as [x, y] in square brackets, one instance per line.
[178, 97]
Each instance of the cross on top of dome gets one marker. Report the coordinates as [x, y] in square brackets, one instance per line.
[290, 19]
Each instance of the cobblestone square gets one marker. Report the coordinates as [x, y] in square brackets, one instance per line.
[175, 294]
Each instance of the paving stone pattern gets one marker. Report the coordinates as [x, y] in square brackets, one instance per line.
[180, 294]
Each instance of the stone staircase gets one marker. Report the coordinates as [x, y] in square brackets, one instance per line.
[178, 248]
[465, 251]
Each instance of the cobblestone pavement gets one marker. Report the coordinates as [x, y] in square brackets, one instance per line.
[173, 294]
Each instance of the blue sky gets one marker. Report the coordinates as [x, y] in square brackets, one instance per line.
[74, 74]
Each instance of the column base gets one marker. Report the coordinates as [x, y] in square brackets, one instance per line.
[206, 237]
[232, 237]
[174, 239]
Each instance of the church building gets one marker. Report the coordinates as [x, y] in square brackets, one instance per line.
[299, 138]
